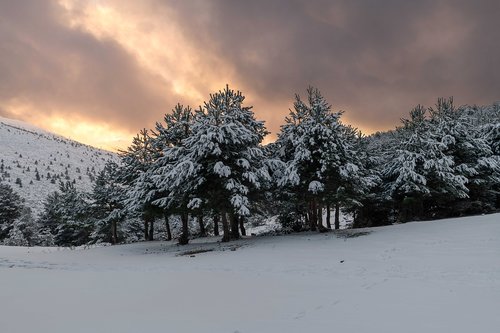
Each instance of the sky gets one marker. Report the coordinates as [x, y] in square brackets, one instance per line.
[98, 71]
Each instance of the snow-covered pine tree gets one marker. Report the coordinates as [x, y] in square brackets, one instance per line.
[137, 162]
[167, 137]
[460, 132]
[376, 207]
[24, 231]
[50, 217]
[491, 133]
[322, 166]
[10, 209]
[107, 204]
[219, 163]
[176, 127]
[419, 171]
[352, 181]
[65, 216]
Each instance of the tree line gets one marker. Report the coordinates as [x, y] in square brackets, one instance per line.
[207, 171]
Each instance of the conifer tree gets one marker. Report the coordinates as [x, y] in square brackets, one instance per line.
[169, 135]
[24, 231]
[137, 161]
[65, 216]
[10, 209]
[419, 169]
[107, 205]
[473, 156]
[322, 167]
[218, 164]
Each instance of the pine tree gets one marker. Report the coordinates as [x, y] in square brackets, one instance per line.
[24, 231]
[419, 171]
[10, 209]
[137, 161]
[107, 204]
[50, 217]
[218, 164]
[66, 216]
[322, 167]
[166, 138]
[467, 145]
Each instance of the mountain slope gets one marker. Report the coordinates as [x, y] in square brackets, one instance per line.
[33, 161]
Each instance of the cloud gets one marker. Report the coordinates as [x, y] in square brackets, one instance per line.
[122, 64]
[49, 68]
[374, 58]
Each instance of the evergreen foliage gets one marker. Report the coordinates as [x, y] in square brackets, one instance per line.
[217, 164]
[107, 204]
[211, 165]
[10, 209]
[322, 164]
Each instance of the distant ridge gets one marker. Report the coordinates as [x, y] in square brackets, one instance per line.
[33, 161]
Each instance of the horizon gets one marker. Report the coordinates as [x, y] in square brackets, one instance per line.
[117, 149]
[99, 71]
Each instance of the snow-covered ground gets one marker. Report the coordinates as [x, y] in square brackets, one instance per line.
[440, 276]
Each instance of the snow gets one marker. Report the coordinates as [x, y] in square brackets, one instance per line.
[439, 276]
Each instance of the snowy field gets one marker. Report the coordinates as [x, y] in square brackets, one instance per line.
[441, 276]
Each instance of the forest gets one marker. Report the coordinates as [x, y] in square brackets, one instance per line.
[206, 171]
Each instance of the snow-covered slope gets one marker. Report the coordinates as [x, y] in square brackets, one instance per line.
[26, 150]
[439, 276]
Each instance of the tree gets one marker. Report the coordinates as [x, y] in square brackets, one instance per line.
[66, 216]
[137, 161]
[177, 127]
[24, 231]
[473, 155]
[419, 169]
[107, 203]
[50, 217]
[321, 164]
[376, 205]
[10, 209]
[353, 180]
[218, 163]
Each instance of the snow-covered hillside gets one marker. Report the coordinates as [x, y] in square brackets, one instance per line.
[40, 159]
[439, 276]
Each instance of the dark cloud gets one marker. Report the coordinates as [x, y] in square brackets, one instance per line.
[63, 70]
[374, 59]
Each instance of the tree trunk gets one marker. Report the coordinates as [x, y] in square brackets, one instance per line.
[146, 228]
[114, 233]
[167, 227]
[184, 237]
[203, 232]
[328, 219]
[320, 217]
[312, 215]
[235, 233]
[151, 228]
[321, 227]
[226, 237]
[216, 224]
[337, 216]
[242, 226]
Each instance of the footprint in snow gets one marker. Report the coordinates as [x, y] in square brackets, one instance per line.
[300, 315]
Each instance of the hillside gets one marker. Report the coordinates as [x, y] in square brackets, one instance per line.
[439, 276]
[40, 159]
